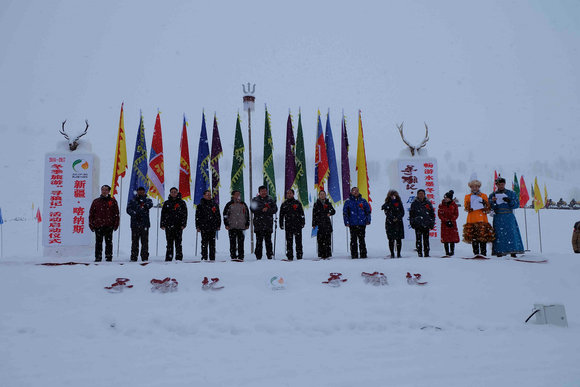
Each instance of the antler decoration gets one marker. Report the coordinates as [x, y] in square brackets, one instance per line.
[412, 148]
[251, 89]
[75, 143]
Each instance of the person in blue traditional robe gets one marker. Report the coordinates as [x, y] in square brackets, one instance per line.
[507, 232]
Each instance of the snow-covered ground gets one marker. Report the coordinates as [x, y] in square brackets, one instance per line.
[60, 327]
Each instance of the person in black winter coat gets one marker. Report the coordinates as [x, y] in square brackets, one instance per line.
[321, 214]
[394, 213]
[263, 207]
[236, 221]
[173, 222]
[292, 220]
[138, 208]
[207, 221]
[422, 219]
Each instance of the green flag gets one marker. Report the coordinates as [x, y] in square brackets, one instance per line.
[268, 169]
[301, 180]
[516, 186]
[237, 183]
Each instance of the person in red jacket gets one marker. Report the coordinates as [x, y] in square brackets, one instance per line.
[448, 213]
[103, 220]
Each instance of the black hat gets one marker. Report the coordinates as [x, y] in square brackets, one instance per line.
[141, 189]
[449, 194]
[499, 180]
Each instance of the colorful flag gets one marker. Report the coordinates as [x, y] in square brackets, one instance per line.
[290, 164]
[524, 196]
[320, 159]
[538, 203]
[545, 196]
[38, 217]
[494, 180]
[268, 168]
[120, 165]
[516, 185]
[301, 180]
[237, 183]
[202, 167]
[184, 166]
[345, 163]
[216, 153]
[361, 164]
[333, 179]
[139, 171]
[156, 171]
[1, 219]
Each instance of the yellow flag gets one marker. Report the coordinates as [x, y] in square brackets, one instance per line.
[538, 202]
[120, 165]
[545, 196]
[361, 164]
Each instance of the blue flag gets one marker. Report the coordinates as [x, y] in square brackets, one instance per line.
[333, 178]
[139, 170]
[1, 219]
[202, 166]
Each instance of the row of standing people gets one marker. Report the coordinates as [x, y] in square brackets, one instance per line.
[104, 219]
[477, 230]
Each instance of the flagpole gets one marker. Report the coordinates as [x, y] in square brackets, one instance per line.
[157, 239]
[540, 231]
[120, 212]
[249, 100]
[526, 225]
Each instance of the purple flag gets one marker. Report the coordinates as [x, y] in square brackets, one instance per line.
[345, 163]
[216, 153]
[290, 166]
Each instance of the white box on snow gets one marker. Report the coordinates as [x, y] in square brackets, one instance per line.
[551, 314]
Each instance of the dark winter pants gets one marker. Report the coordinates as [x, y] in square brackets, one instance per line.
[208, 243]
[392, 247]
[357, 238]
[479, 248]
[236, 243]
[173, 236]
[107, 234]
[422, 241]
[449, 248]
[324, 244]
[139, 234]
[290, 237]
[263, 237]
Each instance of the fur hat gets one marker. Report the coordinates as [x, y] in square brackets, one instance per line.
[449, 194]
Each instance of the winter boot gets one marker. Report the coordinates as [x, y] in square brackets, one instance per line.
[452, 249]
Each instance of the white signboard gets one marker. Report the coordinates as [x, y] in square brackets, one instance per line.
[415, 174]
[68, 186]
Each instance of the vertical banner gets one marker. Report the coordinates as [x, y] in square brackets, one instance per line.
[416, 174]
[68, 187]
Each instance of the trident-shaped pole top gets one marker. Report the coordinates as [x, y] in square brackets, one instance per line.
[251, 88]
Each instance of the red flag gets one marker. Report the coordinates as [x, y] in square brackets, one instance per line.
[320, 160]
[494, 181]
[524, 196]
[156, 171]
[38, 217]
[184, 168]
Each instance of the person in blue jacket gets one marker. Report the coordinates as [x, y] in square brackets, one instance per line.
[357, 216]
[507, 232]
[138, 208]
